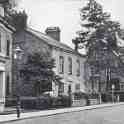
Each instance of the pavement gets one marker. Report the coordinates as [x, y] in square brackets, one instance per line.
[27, 115]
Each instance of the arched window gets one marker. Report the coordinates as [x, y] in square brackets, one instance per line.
[70, 66]
[61, 64]
[78, 68]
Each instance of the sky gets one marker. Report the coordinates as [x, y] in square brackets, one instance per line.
[65, 14]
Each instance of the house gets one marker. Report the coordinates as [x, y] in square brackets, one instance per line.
[69, 64]
[6, 32]
[106, 70]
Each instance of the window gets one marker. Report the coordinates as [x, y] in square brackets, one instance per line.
[7, 85]
[77, 86]
[61, 64]
[8, 48]
[69, 89]
[70, 66]
[78, 68]
[61, 88]
[122, 86]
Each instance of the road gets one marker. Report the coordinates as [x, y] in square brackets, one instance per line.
[99, 114]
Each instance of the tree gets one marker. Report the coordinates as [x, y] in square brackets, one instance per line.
[97, 28]
[98, 36]
[39, 71]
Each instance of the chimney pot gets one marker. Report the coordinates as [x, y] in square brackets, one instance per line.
[53, 32]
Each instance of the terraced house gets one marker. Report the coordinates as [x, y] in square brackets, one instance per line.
[69, 64]
[6, 32]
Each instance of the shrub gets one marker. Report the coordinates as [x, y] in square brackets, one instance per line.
[79, 95]
[46, 102]
[56, 102]
[61, 101]
[43, 102]
[66, 101]
[28, 103]
[10, 102]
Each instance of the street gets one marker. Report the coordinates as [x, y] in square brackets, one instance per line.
[97, 114]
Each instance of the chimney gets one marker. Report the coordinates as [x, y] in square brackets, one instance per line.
[53, 32]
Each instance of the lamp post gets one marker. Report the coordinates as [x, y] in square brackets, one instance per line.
[113, 87]
[17, 57]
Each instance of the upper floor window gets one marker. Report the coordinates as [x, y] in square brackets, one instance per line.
[61, 88]
[78, 68]
[61, 64]
[8, 48]
[70, 65]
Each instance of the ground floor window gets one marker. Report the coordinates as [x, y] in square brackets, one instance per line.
[61, 88]
[1, 84]
[122, 86]
[7, 85]
[77, 87]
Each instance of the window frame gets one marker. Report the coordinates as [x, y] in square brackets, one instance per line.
[78, 68]
[8, 47]
[7, 84]
[77, 87]
[61, 88]
[61, 64]
[70, 66]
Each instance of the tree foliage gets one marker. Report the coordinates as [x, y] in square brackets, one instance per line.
[97, 28]
[39, 70]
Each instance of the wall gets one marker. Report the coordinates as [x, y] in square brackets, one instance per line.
[5, 63]
[66, 78]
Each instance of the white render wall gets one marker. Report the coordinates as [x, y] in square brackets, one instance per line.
[5, 63]
[69, 79]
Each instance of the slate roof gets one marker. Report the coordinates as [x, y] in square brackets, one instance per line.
[50, 41]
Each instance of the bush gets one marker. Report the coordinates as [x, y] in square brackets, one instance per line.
[66, 101]
[79, 95]
[43, 102]
[10, 102]
[56, 102]
[93, 96]
[46, 102]
[28, 103]
[61, 101]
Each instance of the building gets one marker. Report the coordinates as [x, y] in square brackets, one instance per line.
[6, 32]
[69, 63]
[105, 71]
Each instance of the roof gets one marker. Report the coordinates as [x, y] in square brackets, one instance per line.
[52, 42]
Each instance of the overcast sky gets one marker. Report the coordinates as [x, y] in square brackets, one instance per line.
[65, 14]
